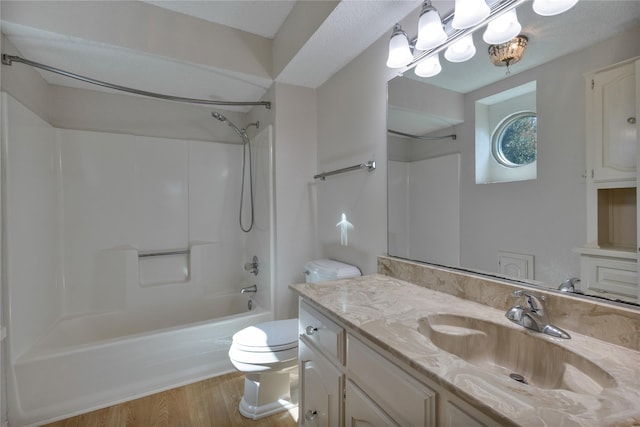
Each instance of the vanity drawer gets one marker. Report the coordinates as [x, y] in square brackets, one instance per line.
[324, 334]
[407, 401]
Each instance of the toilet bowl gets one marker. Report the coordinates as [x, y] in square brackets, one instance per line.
[267, 353]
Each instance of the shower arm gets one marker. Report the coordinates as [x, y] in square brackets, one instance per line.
[9, 59]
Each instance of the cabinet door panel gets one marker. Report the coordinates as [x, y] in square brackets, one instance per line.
[408, 401]
[614, 139]
[458, 417]
[360, 411]
[320, 389]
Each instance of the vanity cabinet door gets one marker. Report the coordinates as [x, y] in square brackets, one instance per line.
[611, 124]
[360, 411]
[456, 417]
[321, 386]
[407, 401]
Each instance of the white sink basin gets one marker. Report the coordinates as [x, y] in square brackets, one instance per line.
[505, 351]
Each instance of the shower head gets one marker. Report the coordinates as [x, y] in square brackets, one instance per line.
[241, 132]
[219, 116]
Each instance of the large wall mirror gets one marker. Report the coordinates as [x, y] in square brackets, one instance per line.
[447, 206]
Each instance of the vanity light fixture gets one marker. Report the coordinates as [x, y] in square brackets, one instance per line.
[506, 54]
[430, 30]
[469, 13]
[503, 28]
[458, 27]
[462, 50]
[552, 7]
[399, 51]
[429, 67]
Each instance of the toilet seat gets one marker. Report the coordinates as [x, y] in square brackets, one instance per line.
[265, 344]
[263, 359]
[277, 335]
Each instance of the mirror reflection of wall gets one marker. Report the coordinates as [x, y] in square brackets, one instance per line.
[541, 219]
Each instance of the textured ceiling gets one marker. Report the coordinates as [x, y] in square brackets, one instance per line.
[263, 18]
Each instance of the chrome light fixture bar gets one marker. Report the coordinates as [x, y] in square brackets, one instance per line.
[454, 35]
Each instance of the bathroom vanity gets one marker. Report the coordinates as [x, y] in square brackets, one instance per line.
[379, 350]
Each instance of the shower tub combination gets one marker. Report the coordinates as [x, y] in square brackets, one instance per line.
[124, 263]
[87, 362]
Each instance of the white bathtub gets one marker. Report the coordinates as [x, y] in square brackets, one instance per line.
[91, 361]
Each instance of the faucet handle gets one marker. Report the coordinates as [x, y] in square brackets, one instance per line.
[534, 301]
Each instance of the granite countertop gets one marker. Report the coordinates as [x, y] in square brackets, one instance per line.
[387, 311]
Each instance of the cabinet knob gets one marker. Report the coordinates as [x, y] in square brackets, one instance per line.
[310, 415]
[311, 330]
[631, 120]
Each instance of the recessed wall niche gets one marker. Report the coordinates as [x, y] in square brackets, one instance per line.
[617, 218]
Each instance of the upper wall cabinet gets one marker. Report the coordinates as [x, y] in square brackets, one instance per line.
[611, 129]
[609, 260]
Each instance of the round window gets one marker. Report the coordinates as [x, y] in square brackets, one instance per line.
[515, 140]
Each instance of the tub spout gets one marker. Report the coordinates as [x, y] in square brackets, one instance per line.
[249, 289]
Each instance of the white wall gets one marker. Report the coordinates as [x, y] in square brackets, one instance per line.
[33, 269]
[25, 84]
[123, 193]
[295, 160]
[352, 111]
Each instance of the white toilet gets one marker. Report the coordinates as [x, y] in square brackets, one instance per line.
[268, 352]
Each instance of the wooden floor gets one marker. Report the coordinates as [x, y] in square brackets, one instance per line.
[213, 402]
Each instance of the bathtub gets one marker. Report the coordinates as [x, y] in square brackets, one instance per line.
[91, 361]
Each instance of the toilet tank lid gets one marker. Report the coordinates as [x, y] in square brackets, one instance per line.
[268, 334]
[332, 268]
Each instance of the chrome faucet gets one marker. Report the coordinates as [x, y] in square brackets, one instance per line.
[570, 285]
[249, 289]
[533, 315]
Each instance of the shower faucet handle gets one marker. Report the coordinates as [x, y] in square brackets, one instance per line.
[252, 267]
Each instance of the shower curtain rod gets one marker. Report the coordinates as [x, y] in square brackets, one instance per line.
[425, 138]
[8, 59]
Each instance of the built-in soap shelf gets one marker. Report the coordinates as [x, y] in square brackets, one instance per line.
[159, 267]
[126, 276]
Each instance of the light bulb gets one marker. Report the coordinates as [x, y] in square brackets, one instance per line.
[428, 67]
[552, 7]
[503, 28]
[468, 13]
[399, 51]
[462, 50]
[430, 31]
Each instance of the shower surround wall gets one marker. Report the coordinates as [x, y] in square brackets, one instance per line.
[80, 206]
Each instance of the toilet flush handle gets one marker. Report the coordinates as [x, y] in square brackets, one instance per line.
[311, 330]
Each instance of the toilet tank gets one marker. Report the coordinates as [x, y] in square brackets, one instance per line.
[321, 270]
